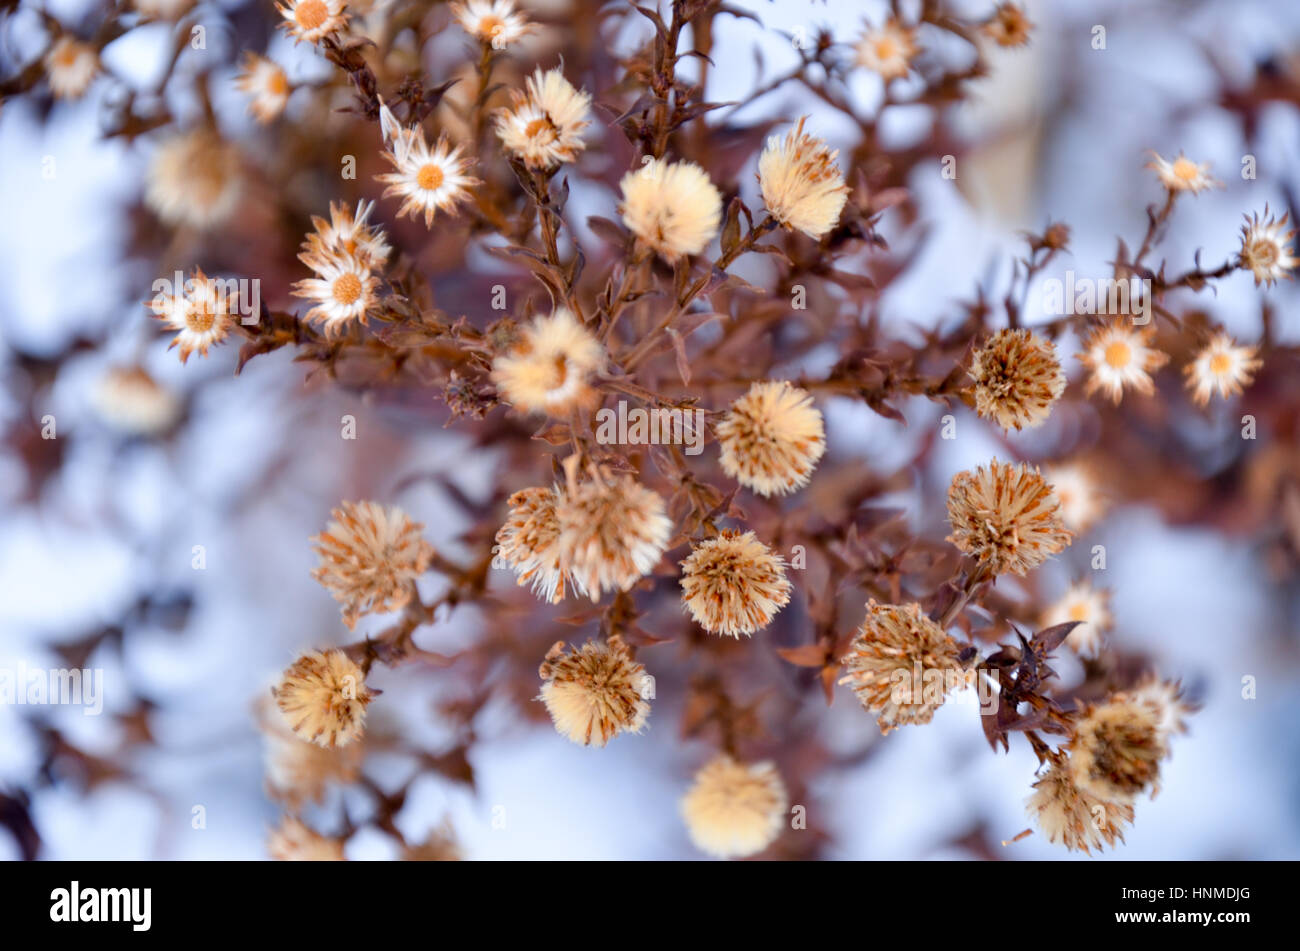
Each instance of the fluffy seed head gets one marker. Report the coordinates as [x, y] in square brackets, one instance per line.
[299, 771]
[1017, 379]
[671, 206]
[1089, 605]
[1220, 367]
[323, 697]
[133, 402]
[1072, 816]
[734, 810]
[733, 584]
[529, 543]
[596, 692]
[1006, 516]
[801, 184]
[548, 369]
[772, 438]
[1120, 355]
[1075, 485]
[194, 179]
[1117, 748]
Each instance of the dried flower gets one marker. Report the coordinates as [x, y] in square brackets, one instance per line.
[130, 400]
[733, 584]
[1264, 248]
[1006, 516]
[266, 82]
[1073, 817]
[495, 22]
[323, 697]
[343, 291]
[349, 234]
[194, 179]
[427, 179]
[672, 207]
[370, 557]
[299, 771]
[548, 368]
[543, 127]
[201, 312]
[1165, 700]
[772, 438]
[1091, 606]
[1221, 366]
[1120, 355]
[734, 810]
[70, 67]
[529, 543]
[802, 186]
[902, 665]
[1009, 26]
[312, 20]
[596, 692]
[888, 50]
[1017, 379]
[293, 841]
[1182, 174]
[1075, 486]
[1116, 750]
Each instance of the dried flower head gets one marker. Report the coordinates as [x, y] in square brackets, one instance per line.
[543, 127]
[548, 368]
[613, 531]
[323, 697]
[1164, 698]
[902, 665]
[494, 22]
[801, 184]
[596, 692]
[529, 543]
[1009, 26]
[294, 841]
[312, 20]
[1116, 750]
[1074, 817]
[671, 206]
[1017, 379]
[426, 179]
[1221, 366]
[370, 557]
[888, 50]
[201, 312]
[1120, 355]
[772, 438]
[1264, 248]
[299, 771]
[1088, 605]
[1182, 174]
[1007, 516]
[70, 67]
[343, 292]
[1076, 488]
[733, 584]
[132, 401]
[734, 810]
[194, 179]
[349, 234]
[266, 83]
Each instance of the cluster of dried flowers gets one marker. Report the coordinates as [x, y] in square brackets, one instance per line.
[661, 546]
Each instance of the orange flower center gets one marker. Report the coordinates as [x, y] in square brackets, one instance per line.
[1186, 169]
[1118, 354]
[347, 288]
[1079, 612]
[886, 48]
[67, 56]
[277, 83]
[200, 319]
[489, 26]
[429, 177]
[310, 14]
[540, 128]
[1263, 253]
[1220, 363]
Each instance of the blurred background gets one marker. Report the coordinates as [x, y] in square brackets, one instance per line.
[99, 525]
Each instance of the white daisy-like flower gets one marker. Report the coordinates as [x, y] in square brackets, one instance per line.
[1082, 602]
[1264, 248]
[350, 234]
[201, 312]
[888, 50]
[1081, 504]
[343, 290]
[1120, 355]
[544, 125]
[266, 84]
[312, 20]
[1221, 367]
[672, 207]
[495, 22]
[70, 67]
[1182, 174]
[427, 179]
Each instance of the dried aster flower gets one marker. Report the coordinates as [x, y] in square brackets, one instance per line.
[543, 127]
[294, 841]
[596, 692]
[1009, 26]
[370, 557]
[772, 438]
[672, 207]
[426, 179]
[343, 291]
[613, 531]
[299, 771]
[734, 810]
[733, 584]
[1182, 174]
[1091, 606]
[266, 83]
[902, 665]
[1264, 248]
[70, 67]
[312, 20]
[529, 543]
[1017, 379]
[801, 184]
[323, 697]
[201, 312]
[1164, 698]
[1007, 516]
[1120, 355]
[194, 179]
[1116, 750]
[1221, 366]
[349, 234]
[1073, 817]
[132, 401]
[888, 50]
[495, 22]
[548, 369]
